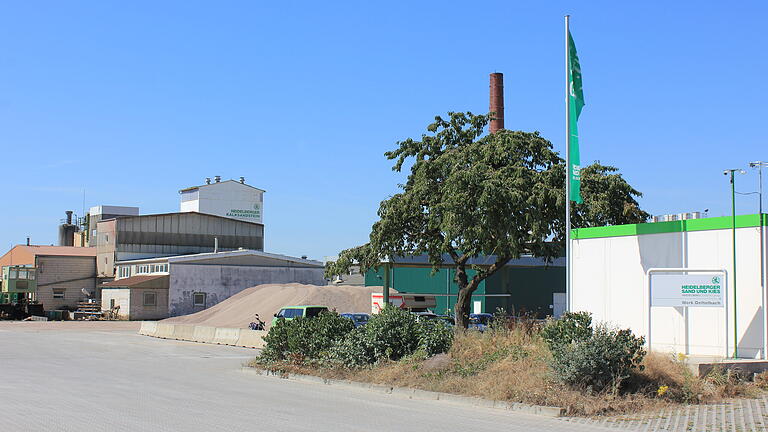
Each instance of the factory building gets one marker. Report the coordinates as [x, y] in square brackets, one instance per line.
[178, 285]
[149, 236]
[525, 286]
[230, 198]
[56, 276]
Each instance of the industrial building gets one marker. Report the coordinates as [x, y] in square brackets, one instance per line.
[675, 283]
[56, 276]
[178, 285]
[230, 198]
[147, 236]
[524, 286]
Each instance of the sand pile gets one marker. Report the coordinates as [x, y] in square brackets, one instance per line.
[266, 300]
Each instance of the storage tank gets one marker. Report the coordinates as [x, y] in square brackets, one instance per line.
[67, 231]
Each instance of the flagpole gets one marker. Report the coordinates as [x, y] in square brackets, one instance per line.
[568, 300]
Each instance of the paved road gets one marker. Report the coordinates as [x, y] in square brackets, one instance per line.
[95, 379]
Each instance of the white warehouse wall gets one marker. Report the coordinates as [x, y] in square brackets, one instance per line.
[609, 279]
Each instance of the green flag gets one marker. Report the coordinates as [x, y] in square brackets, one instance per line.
[575, 104]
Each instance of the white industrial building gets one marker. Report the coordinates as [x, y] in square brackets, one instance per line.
[230, 198]
[156, 288]
[630, 276]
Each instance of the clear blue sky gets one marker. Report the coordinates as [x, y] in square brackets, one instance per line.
[133, 101]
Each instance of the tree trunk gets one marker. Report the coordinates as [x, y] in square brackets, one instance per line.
[466, 288]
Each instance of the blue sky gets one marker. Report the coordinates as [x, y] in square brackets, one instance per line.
[132, 101]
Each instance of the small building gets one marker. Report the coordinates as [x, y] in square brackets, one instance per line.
[137, 298]
[673, 283]
[524, 286]
[56, 276]
[186, 284]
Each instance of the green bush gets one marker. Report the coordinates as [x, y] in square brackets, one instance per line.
[392, 334]
[352, 350]
[601, 360]
[435, 337]
[303, 339]
[571, 327]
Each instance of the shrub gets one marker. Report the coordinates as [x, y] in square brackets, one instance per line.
[352, 350]
[601, 360]
[392, 334]
[434, 337]
[571, 327]
[304, 338]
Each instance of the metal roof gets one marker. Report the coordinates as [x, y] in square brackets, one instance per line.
[191, 188]
[224, 254]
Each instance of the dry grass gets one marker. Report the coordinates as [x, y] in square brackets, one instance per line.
[513, 366]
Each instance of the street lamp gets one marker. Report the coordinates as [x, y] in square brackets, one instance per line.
[759, 165]
[733, 279]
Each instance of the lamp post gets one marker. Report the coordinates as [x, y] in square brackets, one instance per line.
[733, 244]
[759, 165]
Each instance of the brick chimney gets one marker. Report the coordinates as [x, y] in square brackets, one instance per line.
[497, 102]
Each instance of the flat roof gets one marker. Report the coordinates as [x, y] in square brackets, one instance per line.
[688, 225]
[132, 281]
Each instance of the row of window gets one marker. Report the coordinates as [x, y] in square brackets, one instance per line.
[19, 274]
[125, 271]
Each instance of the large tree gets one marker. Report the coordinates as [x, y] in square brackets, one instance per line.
[470, 195]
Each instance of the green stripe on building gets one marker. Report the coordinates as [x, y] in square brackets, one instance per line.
[689, 225]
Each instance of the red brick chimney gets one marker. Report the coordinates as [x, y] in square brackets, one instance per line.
[497, 101]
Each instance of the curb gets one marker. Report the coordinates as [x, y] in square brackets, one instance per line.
[411, 393]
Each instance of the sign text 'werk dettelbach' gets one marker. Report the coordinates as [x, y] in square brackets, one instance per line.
[687, 290]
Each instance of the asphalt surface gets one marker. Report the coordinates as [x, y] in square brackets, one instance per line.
[94, 379]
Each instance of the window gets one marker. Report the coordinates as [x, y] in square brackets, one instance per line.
[22, 274]
[58, 293]
[14, 274]
[198, 299]
[150, 299]
[315, 311]
[111, 303]
[290, 313]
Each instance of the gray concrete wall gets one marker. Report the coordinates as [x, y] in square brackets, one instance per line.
[221, 282]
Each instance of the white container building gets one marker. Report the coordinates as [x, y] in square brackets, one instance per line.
[610, 279]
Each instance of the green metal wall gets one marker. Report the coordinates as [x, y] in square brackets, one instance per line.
[530, 288]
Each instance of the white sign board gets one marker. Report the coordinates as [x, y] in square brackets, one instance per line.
[693, 290]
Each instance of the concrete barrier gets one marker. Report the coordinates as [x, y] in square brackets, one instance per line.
[164, 331]
[203, 334]
[148, 328]
[183, 332]
[226, 336]
[251, 338]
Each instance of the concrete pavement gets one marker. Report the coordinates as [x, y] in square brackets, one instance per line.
[98, 379]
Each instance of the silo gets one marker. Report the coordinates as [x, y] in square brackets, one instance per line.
[67, 231]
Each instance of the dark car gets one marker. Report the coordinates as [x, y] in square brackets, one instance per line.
[480, 321]
[359, 319]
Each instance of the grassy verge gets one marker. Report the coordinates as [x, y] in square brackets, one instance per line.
[514, 365]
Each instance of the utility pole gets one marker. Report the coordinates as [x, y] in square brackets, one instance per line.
[733, 245]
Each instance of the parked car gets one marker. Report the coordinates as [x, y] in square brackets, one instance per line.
[480, 321]
[290, 312]
[445, 319]
[359, 319]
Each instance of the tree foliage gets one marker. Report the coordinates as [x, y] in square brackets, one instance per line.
[470, 195]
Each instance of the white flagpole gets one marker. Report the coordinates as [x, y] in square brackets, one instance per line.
[568, 300]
